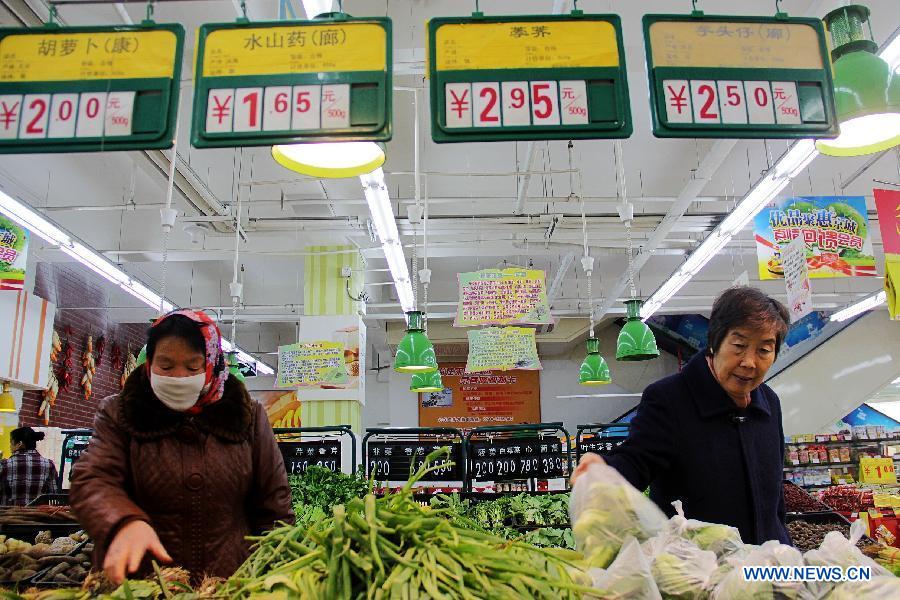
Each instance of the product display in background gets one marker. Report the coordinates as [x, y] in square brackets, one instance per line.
[835, 229]
[476, 400]
[282, 407]
[13, 254]
[512, 296]
[502, 349]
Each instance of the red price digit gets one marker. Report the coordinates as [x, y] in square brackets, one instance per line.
[761, 96]
[710, 99]
[281, 103]
[734, 99]
[93, 108]
[540, 98]
[518, 97]
[41, 106]
[253, 101]
[66, 108]
[303, 103]
[491, 95]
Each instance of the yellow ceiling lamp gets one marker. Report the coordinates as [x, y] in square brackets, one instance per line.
[330, 160]
[866, 90]
[7, 402]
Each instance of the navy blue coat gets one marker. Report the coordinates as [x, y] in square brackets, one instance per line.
[690, 442]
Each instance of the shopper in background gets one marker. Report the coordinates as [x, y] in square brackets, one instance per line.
[183, 464]
[26, 474]
[711, 435]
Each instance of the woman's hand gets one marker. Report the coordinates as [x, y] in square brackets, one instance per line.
[586, 461]
[128, 548]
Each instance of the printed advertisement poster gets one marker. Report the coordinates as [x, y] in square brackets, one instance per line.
[13, 254]
[482, 399]
[336, 344]
[282, 407]
[796, 279]
[320, 363]
[502, 349]
[834, 228]
[502, 297]
[887, 202]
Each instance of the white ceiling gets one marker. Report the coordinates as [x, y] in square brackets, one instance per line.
[471, 188]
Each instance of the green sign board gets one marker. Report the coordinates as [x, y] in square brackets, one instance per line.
[261, 84]
[83, 89]
[739, 77]
[527, 78]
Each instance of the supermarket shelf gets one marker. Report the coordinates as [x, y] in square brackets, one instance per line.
[843, 442]
[826, 465]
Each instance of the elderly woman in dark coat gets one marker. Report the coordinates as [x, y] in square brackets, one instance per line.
[711, 435]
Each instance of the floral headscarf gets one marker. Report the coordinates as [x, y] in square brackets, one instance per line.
[216, 366]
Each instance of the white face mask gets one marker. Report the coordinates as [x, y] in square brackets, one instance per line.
[178, 393]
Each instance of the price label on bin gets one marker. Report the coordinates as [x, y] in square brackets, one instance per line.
[527, 78]
[517, 458]
[392, 461]
[299, 456]
[877, 470]
[600, 445]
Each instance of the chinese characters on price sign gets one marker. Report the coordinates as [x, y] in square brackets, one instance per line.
[502, 297]
[298, 456]
[502, 349]
[301, 81]
[311, 364]
[392, 461]
[89, 88]
[541, 77]
[517, 458]
[745, 77]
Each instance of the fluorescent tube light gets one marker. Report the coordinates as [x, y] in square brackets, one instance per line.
[862, 306]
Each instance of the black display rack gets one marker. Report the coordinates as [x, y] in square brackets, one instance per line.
[390, 454]
[302, 447]
[518, 453]
[602, 438]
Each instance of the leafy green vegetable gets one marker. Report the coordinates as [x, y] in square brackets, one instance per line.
[322, 488]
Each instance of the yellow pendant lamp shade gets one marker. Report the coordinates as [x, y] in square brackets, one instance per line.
[7, 402]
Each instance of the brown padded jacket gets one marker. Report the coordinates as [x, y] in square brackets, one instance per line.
[203, 482]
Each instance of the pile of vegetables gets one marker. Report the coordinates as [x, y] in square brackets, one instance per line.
[47, 559]
[35, 515]
[318, 489]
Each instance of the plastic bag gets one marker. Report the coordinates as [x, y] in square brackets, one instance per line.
[628, 576]
[719, 539]
[605, 509]
[733, 586]
[838, 551]
[682, 571]
[877, 588]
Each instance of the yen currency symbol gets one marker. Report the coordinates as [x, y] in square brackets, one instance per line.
[678, 100]
[460, 104]
[221, 110]
[8, 114]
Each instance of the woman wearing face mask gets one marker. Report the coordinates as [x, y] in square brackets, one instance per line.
[711, 436]
[182, 465]
[26, 474]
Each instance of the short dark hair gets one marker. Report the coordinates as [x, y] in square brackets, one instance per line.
[745, 307]
[27, 436]
[178, 326]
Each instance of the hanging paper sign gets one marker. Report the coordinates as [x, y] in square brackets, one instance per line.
[13, 254]
[739, 77]
[796, 279]
[834, 228]
[887, 202]
[293, 81]
[502, 297]
[877, 470]
[311, 364]
[83, 89]
[527, 78]
[502, 349]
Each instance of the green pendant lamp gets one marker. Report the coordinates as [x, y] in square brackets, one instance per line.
[866, 90]
[415, 354]
[426, 382]
[636, 341]
[594, 370]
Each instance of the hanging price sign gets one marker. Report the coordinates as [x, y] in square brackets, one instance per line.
[299, 456]
[527, 78]
[293, 81]
[739, 77]
[877, 470]
[85, 89]
[517, 458]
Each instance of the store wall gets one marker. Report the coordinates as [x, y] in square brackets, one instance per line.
[73, 286]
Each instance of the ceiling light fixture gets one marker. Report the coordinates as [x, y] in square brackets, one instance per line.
[868, 303]
[36, 223]
[426, 382]
[866, 89]
[330, 160]
[7, 401]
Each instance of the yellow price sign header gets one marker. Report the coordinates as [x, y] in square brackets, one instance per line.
[126, 54]
[526, 45]
[277, 50]
[877, 470]
[724, 44]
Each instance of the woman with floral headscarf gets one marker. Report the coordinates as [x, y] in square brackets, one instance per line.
[182, 465]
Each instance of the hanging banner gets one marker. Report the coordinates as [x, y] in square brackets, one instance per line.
[13, 255]
[739, 77]
[834, 228]
[796, 279]
[539, 77]
[887, 202]
[487, 398]
[328, 361]
[290, 82]
[311, 364]
[510, 296]
[26, 335]
[502, 349]
[89, 89]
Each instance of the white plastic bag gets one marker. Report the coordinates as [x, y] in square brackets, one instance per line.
[722, 540]
[682, 571]
[628, 576]
[733, 586]
[605, 509]
[877, 588]
[838, 551]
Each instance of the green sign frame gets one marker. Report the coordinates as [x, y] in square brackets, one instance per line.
[610, 99]
[825, 124]
[371, 92]
[155, 111]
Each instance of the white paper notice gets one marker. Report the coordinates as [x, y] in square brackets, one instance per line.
[796, 279]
